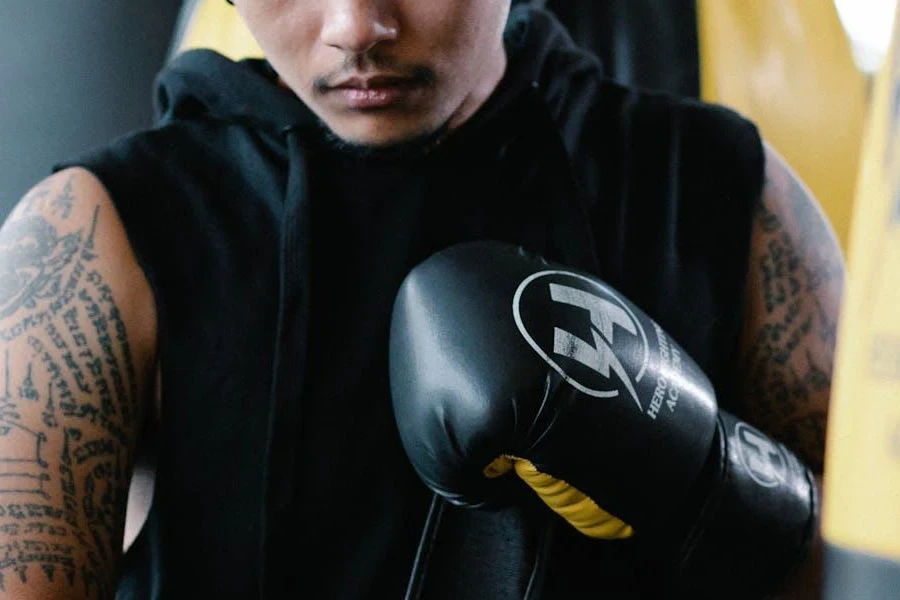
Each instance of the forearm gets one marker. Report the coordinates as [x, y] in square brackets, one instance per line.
[47, 558]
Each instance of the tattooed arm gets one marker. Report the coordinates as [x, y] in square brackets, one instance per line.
[795, 282]
[77, 335]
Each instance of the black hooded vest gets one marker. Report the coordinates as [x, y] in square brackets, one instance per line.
[264, 251]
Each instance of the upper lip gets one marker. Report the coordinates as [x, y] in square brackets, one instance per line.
[372, 82]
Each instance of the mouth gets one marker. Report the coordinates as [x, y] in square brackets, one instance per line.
[376, 92]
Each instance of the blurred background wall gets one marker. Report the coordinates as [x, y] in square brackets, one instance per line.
[73, 74]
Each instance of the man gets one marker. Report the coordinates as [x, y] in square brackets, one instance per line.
[229, 276]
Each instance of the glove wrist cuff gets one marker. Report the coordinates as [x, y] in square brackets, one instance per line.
[757, 522]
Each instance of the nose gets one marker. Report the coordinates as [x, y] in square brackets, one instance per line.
[356, 26]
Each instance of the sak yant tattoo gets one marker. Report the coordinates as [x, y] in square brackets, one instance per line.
[67, 401]
[788, 368]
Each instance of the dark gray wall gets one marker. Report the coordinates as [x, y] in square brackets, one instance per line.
[73, 74]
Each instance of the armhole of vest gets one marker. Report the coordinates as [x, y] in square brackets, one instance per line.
[748, 185]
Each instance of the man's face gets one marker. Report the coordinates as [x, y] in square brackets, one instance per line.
[384, 72]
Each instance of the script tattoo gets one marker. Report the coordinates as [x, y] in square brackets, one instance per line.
[67, 365]
[788, 365]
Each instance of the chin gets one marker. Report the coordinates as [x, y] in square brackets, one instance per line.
[380, 131]
[378, 136]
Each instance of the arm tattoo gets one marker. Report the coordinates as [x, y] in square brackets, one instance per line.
[68, 364]
[788, 361]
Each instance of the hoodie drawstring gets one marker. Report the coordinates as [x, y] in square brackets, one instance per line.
[287, 378]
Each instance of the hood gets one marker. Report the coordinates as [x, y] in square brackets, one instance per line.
[205, 84]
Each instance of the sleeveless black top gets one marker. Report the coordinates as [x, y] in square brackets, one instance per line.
[274, 260]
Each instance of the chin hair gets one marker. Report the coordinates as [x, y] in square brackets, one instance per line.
[411, 147]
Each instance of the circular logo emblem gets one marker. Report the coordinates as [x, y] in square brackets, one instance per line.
[585, 331]
[764, 460]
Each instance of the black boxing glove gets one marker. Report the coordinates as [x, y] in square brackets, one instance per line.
[500, 361]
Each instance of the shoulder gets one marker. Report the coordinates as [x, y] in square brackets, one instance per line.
[158, 176]
[692, 121]
[786, 194]
[789, 213]
[64, 234]
[706, 154]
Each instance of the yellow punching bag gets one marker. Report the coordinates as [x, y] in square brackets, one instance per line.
[214, 24]
[861, 501]
[788, 66]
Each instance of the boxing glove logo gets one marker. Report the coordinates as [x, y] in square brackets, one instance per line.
[764, 460]
[585, 331]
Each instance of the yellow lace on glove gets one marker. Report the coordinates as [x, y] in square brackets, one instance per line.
[565, 500]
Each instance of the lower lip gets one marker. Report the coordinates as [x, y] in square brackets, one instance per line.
[362, 99]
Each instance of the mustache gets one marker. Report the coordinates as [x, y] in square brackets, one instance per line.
[356, 65]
